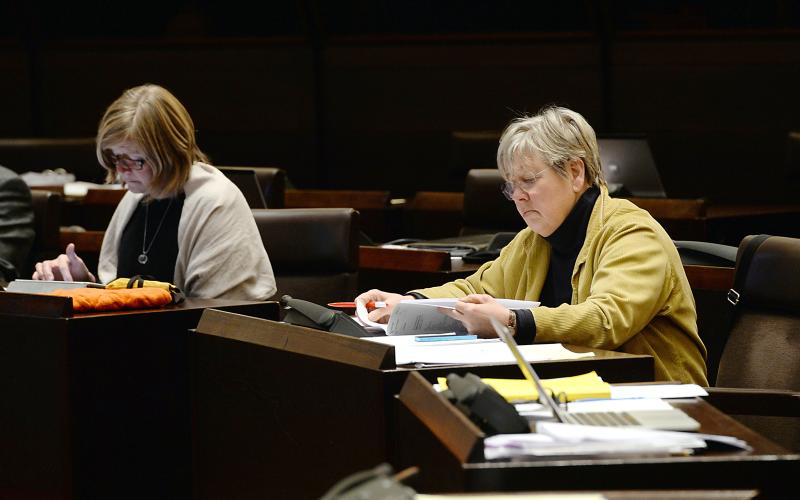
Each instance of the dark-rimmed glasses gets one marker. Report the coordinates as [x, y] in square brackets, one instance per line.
[126, 162]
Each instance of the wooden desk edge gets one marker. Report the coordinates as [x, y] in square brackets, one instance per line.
[296, 339]
[401, 259]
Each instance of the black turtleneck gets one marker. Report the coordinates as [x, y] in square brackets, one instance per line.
[565, 244]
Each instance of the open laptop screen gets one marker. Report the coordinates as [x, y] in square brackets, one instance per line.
[629, 167]
[247, 182]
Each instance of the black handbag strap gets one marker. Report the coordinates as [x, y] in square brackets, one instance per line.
[742, 268]
[735, 294]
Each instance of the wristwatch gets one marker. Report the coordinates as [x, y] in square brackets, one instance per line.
[512, 322]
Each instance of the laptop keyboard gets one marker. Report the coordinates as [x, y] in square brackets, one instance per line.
[602, 418]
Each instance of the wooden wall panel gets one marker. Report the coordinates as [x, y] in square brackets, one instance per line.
[252, 103]
[15, 93]
[392, 107]
[717, 112]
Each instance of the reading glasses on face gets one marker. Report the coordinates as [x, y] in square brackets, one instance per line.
[126, 162]
[526, 184]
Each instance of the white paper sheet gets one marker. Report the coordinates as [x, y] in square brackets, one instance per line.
[478, 352]
[664, 391]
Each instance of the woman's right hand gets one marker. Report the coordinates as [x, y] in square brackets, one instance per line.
[381, 315]
[66, 267]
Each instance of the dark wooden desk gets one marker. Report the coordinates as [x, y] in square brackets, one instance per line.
[282, 411]
[728, 223]
[399, 269]
[433, 214]
[683, 218]
[380, 218]
[97, 405]
[92, 211]
[433, 435]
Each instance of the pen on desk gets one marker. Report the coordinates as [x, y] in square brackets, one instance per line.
[443, 338]
[351, 305]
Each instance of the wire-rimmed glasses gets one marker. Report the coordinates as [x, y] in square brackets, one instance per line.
[526, 184]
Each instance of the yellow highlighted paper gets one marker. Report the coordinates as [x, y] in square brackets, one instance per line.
[586, 386]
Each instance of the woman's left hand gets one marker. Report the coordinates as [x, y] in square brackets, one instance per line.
[474, 312]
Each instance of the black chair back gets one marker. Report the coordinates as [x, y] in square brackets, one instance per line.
[263, 187]
[763, 346]
[486, 210]
[313, 251]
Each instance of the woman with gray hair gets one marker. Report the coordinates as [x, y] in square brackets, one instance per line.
[606, 273]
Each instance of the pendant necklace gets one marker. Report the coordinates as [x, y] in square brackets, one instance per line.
[143, 256]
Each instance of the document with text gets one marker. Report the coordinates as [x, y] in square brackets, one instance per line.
[419, 317]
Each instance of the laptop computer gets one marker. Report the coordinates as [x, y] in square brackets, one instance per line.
[672, 419]
[247, 182]
[629, 168]
[460, 246]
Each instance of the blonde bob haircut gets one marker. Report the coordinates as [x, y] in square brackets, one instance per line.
[151, 117]
[555, 135]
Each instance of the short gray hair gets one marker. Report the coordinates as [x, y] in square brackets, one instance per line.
[555, 135]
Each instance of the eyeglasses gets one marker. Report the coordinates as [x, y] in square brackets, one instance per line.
[525, 184]
[127, 162]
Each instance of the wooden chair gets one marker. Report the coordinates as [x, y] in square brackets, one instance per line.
[313, 251]
[759, 374]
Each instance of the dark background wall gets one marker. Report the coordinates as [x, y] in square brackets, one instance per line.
[379, 95]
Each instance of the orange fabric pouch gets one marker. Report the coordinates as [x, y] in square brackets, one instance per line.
[99, 299]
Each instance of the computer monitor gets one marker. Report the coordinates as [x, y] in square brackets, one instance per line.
[629, 167]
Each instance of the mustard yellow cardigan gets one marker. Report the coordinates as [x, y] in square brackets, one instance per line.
[629, 290]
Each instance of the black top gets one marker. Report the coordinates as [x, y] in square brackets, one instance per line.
[161, 243]
[565, 244]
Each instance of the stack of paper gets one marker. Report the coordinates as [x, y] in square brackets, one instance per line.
[47, 286]
[477, 353]
[80, 188]
[588, 385]
[554, 439]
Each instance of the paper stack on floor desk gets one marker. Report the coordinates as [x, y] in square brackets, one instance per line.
[478, 352]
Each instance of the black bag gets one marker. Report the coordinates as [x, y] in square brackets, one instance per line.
[492, 251]
[311, 315]
[8, 272]
[484, 406]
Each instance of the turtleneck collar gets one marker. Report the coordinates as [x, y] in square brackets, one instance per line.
[569, 236]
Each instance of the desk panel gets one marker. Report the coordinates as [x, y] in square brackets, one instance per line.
[97, 405]
[432, 434]
[283, 411]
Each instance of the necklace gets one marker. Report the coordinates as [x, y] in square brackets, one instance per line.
[143, 256]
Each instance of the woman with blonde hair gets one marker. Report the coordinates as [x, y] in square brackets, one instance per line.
[606, 273]
[181, 221]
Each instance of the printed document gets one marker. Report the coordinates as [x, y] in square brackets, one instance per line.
[419, 317]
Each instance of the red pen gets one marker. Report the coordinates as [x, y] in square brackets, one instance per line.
[352, 305]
